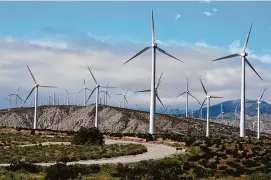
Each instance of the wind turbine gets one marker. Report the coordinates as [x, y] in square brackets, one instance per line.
[9, 102]
[97, 88]
[85, 92]
[156, 92]
[124, 97]
[17, 96]
[208, 97]
[243, 54]
[154, 47]
[187, 94]
[105, 96]
[67, 97]
[36, 88]
[259, 112]
[221, 112]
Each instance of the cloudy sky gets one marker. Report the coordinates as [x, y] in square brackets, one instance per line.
[59, 40]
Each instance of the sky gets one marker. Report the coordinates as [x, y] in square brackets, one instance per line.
[59, 40]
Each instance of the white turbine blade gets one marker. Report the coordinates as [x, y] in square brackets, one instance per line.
[29, 94]
[32, 75]
[153, 32]
[48, 86]
[215, 97]
[19, 97]
[194, 97]
[246, 42]
[108, 94]
[67, 91]
[159, 81]
[125, 99]
[84, 82]
[226, 57]
[143, 91]
[137, 54]
[262, 114]
[91, 94]
[164, 52]
[88, 89]
[262, 94]
[11, 94]
[181, 94]
[127, 91]
[119, 94]
[107, 87]
[160, 100]
[92, 75]
[81, 90]
[203, 86]
[202, 103]
[252, 68]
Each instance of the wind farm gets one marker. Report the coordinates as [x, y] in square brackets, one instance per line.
[97, 101]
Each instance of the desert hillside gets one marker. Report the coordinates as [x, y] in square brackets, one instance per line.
[112, 119]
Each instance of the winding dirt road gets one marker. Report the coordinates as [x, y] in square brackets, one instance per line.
[155, 151]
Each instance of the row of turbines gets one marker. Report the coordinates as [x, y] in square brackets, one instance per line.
[154, 89]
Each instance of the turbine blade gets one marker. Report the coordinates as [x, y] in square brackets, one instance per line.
[92, 75]
[246, 42]
[119, 94]
[108, 94]
[137, 54]
[91, 94]
[88, 89]
[32, 75]
[215, 97]
[194, 97]
[251, 101]
[107, 87]
[84, 82]
[203, 86]
[153, 32]
[125, 99]
[11, 94]
[19, 97]
[164, 52]
[202, 103]
[181, 94]
[81, 90]
[252, 68]
[160, 100]
[159, 81]
[143, 91]
[29, 94]
[127, 91]
[18, 90]
[226, 57]
[262, 114]
[262, 94]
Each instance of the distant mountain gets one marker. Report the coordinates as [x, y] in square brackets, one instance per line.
[229, 109]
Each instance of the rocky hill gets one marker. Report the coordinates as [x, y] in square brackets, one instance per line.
[112, 119]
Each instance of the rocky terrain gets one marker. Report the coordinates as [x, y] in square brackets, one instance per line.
[112, 119]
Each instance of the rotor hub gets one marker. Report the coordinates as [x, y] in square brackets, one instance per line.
[154, 45]
[244, 54]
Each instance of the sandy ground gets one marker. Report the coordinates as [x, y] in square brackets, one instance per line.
[155, 151]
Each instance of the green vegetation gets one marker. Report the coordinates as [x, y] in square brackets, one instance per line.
[66, 153]
[88, 136]
[8, 139]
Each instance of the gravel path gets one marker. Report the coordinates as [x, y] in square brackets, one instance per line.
[155, 151]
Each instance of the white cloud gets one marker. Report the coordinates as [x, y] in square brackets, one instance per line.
[177, 16]
[67, 69]
[204, 1]
[208, 13]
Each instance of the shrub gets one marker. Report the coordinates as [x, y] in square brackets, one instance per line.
[61, 171]
[260, 176]
[91, 136]
[23, 166]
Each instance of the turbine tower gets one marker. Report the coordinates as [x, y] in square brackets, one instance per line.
[221, 112]
[156, 92]
[105, 95]
[243, 54]
[68, 97]
[124, 97]
[9, 102]
[187, 94]
[97, 88]
[154, 47]
[17, 96]
[208, 97]
[36, 88]
[85, 92]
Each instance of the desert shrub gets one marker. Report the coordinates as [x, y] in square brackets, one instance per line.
[260, 176]
[23, 166]
[61, 171]
[90, 136]
[32, 132]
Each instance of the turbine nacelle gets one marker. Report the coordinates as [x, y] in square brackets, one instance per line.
[244, 54]
[154, 45]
